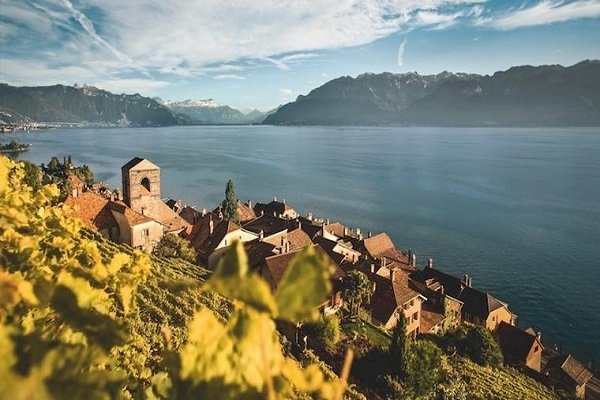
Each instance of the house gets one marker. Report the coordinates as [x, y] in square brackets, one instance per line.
[135, 229]
[275, 266]
[479, 308]
[75, 184]
[520, 347]
[393, 299]
[381, 247]
[95, 213]
[339, 249]
[275, 208]
[221, 234]
[568, 374]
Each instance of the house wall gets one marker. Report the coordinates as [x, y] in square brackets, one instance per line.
[534, 358]
[137, 197]
[452, 311]
[412, 314]
[497, 316]
[124, 228]
[239, 234]
[139, 239]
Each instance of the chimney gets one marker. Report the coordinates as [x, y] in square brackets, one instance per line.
[327, 221]
[204, 212]
[211, 225]
[358, 232]
[467, 280]
[309, 216]
[360, 236]
[430, 265]
[393, 275]
[345, 231]
[286, 246]
[249, 204]
[383, 261]
[262, 212]
[261, 235]
[539, 336]
[112, 196]
[283, 201]
[470, 281]
[369, 234]
[299, 224]
[372, 268]
[414, 260]
[274, 198]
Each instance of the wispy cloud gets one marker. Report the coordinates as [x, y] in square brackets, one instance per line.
[229, 76]
[401, 52]
[543, 13]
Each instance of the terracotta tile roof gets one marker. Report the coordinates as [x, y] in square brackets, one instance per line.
[190, 215]
[572, 368]
[269, 224]
[133, 218]
[221, 229]
[336, 229]
[389, 295]
[257, 251]
[298, 239]
[429, 318]
[476, 302]
[515, 343]
[245, 212]
[276, 265]
[74, 180]
[93, 210]
[377, 245]
[170, 219]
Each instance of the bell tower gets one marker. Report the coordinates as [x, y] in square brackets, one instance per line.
[141, 186]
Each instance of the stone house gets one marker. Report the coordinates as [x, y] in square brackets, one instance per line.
[568, 374]
[520, 347]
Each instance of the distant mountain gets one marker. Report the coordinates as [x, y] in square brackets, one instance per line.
[206, 112]
[80, 104]
[520, 96]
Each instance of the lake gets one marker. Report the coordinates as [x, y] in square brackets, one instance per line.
[516, 209]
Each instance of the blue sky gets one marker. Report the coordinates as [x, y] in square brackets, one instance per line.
[259, 54]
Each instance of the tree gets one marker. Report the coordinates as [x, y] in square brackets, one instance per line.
[33, 175]
[399, 348]
[230, 203]
[173, 246]
[424, 367]
[482, 348]
[331, 331]
[356, 287]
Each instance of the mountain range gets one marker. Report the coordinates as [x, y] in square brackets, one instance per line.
[550, 95]
[206, 112]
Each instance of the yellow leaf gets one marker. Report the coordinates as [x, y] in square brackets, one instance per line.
[26, 291]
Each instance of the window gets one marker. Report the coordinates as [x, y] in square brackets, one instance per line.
[412, 303]
[535, 349]
[145, 232]
[416, 316]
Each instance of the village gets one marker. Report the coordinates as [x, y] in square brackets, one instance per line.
[428, 300]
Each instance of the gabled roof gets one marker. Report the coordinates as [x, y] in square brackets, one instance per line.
[572, 368]
[515, 342]
[377, 245]
[269, 224]
[74, 180]
[476, 302]
[245, 212]
[274, 206]
[138, 164]
[93, 210]
[336, 229]
[257, 251]
[221, 229]
[298, 239]
[277, 264]
[389, 295]
[133, 218]
[170, 219]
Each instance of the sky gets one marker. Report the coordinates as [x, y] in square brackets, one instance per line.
[263, 53]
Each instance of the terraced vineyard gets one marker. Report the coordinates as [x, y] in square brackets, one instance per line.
[168, 298]
[499, 383]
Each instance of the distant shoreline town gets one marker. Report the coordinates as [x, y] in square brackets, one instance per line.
[429, 301]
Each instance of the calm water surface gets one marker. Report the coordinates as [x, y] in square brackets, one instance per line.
[517, 209]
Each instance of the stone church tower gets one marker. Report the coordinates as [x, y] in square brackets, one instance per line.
[141, 187]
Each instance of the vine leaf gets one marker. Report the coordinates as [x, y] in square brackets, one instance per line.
[303, 287]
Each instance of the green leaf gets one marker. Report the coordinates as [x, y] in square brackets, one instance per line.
[231, 280]
[304, 286]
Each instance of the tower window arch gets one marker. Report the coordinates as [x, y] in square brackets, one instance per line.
[146, 183]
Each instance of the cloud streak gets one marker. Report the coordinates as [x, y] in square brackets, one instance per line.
[543, 13]
[401, 52]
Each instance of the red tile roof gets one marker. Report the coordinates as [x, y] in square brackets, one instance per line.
[93, 210]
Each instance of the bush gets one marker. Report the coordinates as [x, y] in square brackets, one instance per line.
[482, 347]
[331, 331]
[173, 246]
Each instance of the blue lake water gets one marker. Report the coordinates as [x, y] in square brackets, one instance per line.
[517, 209]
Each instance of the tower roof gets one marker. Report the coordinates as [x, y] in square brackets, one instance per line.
[139, 164]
